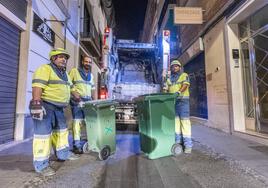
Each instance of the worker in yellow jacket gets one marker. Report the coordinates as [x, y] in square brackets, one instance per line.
[179, 83]
[50, 95]
[83, 83]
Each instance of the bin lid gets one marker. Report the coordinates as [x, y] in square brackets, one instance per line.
[101, 103]
[156, 96]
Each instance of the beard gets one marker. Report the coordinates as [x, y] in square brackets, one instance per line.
[86, 67]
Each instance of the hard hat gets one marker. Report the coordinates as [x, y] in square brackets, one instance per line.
[58, 51]
[175, 62]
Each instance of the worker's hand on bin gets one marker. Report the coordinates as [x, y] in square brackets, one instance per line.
[165, 88]
[81, 104]
[37, 109]
[178, 93]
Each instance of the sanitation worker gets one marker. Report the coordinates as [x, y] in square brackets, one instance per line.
[50, 95]
[179, 83]
[83, 84]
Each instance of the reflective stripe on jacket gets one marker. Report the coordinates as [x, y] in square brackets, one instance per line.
[174, 86]
[55, 90]
[80, 85]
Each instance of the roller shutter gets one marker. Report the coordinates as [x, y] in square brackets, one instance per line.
[9, 63]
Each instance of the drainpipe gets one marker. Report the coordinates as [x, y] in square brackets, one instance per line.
[65, 22]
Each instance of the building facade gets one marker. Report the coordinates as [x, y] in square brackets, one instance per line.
[96, 34]
[226, 59]
[50, 25]
[246, 29]
[29, 30]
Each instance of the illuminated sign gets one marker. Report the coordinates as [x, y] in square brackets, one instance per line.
[188, 15]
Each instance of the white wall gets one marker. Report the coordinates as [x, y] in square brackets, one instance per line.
[235, 74]
[217, 93]
[39, 49]
[22, 75]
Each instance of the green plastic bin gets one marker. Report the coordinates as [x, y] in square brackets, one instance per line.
[100, 127]
[156, 115]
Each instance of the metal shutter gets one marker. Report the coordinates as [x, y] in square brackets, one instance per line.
[9, 60]
[17, 7]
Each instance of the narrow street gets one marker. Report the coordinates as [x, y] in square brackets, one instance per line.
[137, 82]
[129, 168]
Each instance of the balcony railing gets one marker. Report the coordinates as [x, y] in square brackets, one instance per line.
[90, 36]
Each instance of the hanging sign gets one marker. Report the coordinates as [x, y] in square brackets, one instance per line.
[188, 15]
[43, 30]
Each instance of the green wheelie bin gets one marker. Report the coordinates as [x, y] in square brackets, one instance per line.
[100, 127]
[156, 114]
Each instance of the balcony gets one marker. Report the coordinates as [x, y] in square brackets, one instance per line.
[90, 38]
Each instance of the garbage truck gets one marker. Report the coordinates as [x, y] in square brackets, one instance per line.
[132, 71]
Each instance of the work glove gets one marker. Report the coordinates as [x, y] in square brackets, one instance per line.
[37, 110]
[165, 87]
[178, 95]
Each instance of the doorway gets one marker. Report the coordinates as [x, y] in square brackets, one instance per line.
[253, 33]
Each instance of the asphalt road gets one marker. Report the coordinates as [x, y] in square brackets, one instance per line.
[129, 168]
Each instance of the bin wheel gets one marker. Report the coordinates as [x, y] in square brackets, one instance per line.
[104, 153]
[85, 148]
[176, 149]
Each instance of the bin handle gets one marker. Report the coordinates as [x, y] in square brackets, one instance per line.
[162, 100]
[81, 104]
[112, 107]
[157, 98]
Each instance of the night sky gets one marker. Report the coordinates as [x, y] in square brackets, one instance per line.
[129, 16]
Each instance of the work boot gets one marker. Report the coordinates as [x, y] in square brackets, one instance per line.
[73, 157]
[48, 171]
[77, 150]
[188, 150]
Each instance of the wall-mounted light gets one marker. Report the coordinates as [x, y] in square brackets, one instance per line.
[107, 30]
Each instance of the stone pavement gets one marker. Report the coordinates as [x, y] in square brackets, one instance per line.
[251, 155]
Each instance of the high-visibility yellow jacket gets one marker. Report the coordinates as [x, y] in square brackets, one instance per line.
[55, 89]
[174, 86]
[82, 85]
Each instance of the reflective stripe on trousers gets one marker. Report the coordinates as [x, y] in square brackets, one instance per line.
[182, 123]
[50, 132]
[77, 123]
[78, 119]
